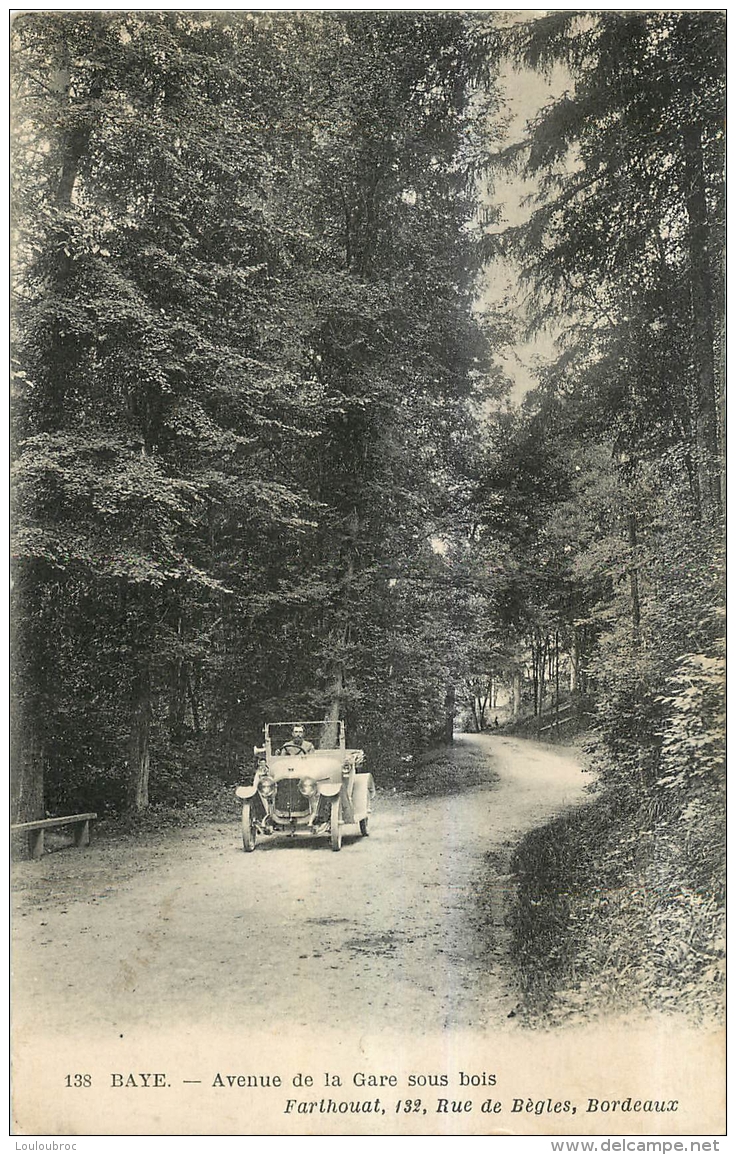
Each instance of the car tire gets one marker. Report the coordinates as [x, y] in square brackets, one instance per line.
[249, 829]
[335, 828]
[364, 827]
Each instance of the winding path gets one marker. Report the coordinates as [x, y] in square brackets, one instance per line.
[406, 926]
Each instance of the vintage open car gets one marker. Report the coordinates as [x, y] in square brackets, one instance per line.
[306, 781]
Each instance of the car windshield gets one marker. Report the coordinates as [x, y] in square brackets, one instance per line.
[289, 738]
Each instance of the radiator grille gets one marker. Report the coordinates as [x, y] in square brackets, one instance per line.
[288, 799]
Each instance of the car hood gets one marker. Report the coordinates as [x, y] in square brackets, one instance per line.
[321, 765]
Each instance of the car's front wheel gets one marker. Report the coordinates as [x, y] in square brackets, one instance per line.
[364, 827]
[249, 828]
[335, 830]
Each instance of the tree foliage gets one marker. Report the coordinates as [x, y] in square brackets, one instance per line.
[626, 236]
[607, 482]
[245, 353]
[262, 462]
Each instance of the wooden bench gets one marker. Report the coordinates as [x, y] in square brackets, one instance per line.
[36, 830]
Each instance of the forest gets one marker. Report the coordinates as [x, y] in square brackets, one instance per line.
[266, 459]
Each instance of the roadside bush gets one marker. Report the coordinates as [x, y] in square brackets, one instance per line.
[617, 912]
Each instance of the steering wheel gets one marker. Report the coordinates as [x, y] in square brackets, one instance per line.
[291, 749]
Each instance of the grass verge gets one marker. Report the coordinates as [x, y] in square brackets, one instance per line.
[445, 770]
[615, 913]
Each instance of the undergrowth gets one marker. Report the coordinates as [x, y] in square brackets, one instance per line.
[446, 770]
[620, 910]
[217, 803]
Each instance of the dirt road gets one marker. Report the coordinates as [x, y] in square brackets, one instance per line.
[405, 926]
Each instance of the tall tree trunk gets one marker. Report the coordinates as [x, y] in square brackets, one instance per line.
[177, 697]
[336, 688]
[706, 423]
[30, 685]
[557, 679]
[193, 706]
[544, 647]
[574, 661]
[76, 139]
[178, 684]
[139, 760]
[483, 704]
[535, 676]
[26, 778]
[26, 791]
[634, 581]
[516, 692]
[475, 714]
[449, 713]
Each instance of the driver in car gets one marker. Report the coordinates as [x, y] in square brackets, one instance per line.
[297, 743]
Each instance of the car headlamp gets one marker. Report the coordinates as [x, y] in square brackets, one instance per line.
[307, 787]
[346, 768]
[266, 786]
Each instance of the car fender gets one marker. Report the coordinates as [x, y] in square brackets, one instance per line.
[246, 792]
[363, 793]
[329, 789]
